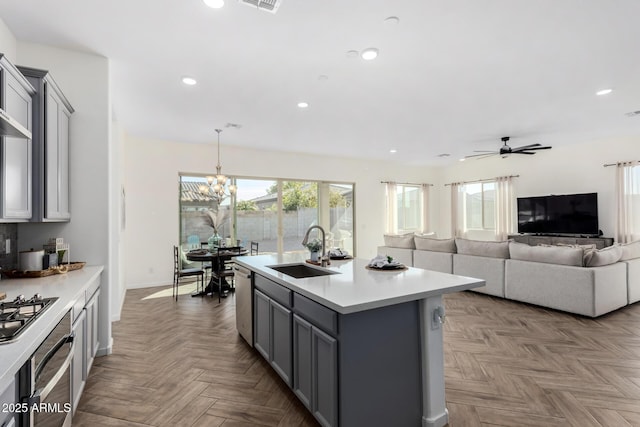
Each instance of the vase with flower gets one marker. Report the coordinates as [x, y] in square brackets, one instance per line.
[314, 247]
[215, 219]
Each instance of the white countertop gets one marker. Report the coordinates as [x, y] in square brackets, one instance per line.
[357, 288]
[67, 287]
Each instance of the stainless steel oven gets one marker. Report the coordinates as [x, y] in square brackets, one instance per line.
[45, 380]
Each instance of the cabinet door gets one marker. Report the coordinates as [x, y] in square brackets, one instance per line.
[91, 338]
[79, 359]
[281, 340]
[56, 196]
[325, 377]
[261, 327]
[302, 384]
[16, 152]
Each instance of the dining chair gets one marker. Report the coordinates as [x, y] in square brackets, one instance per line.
[254, 248]
[224, 269]
[179, 273]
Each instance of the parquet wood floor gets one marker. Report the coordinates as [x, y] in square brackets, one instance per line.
[506, 364]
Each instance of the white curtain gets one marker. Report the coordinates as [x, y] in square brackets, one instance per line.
[627, 201]
[457, 210]
[505, 207]
[391, 225]
[425, 208]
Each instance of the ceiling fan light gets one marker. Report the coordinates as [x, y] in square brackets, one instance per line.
[369, 54]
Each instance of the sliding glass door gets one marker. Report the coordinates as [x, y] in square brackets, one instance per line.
[276, 213]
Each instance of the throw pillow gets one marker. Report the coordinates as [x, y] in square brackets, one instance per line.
[483, 248]
[562, 255]
[606, 256]
[430, 235]
[435, 245]
[404, 241]
[630, 250]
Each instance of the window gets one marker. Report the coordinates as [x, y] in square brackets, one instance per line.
[275, 213]
[409, 207]
[406, 208]
[480, 206]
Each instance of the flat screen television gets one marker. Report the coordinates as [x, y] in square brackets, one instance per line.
[559, 214]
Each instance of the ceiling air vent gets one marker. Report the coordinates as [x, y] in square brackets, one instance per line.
[266, 5]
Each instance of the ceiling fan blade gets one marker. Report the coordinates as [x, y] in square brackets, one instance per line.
[524, 147]
[484, 151]
[522, 152]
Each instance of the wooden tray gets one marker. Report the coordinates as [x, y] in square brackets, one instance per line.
[18, 274]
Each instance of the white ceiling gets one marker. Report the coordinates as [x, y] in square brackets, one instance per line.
[452, 76]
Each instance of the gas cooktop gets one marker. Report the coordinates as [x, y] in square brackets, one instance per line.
[16, 316]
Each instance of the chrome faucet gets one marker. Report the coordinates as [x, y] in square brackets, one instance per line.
[324, 259]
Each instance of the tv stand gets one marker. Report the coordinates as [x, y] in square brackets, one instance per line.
[552, 239]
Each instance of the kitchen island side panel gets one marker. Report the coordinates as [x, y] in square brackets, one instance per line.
[380, 367]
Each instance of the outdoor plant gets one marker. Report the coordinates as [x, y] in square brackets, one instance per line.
[314, 245]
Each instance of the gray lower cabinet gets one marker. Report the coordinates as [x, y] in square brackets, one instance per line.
[273, 333]
[78, 364]
[315, 370]
[355, 369]
[15, 153]
[51, 115]
[92, 343]
[85, 328]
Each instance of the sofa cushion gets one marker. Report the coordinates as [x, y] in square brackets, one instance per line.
[630, 250]
[483, 248]
[404, 241]
[435, 245]
[606, 256]
[548, 254]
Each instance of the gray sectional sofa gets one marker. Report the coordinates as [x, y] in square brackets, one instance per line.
[575, 279]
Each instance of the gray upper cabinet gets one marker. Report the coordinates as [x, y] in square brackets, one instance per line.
[52, 113]
[15, 153]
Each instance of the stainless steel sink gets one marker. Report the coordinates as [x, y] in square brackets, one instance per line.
[300, 271]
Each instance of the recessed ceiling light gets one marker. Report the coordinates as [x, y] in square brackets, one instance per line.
[352, 54]
[462, 159]
[604, 92]
[303, 104]
[393, 151]
[190, 81]
[214, 4]
[369, 53]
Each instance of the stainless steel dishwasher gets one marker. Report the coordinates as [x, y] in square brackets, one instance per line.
[244, 303]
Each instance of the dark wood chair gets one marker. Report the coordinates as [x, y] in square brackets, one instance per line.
[254, 248]
[224, 269]
[179, 273]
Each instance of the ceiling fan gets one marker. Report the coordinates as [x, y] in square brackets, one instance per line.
[505, 150]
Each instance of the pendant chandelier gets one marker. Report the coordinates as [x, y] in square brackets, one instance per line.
[217, 185]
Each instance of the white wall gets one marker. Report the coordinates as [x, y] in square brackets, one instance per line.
[561, 170]
[152, 189]
[84, 78]
[7, 42]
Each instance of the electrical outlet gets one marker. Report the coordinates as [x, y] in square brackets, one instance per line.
[7, 246]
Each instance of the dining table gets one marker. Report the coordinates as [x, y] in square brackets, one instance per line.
[205, 255]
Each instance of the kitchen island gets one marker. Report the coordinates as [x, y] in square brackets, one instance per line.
[360, 346]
